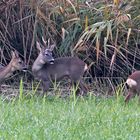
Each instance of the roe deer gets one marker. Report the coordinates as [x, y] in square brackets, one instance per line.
[48, 70]
[15, 64]
[133, 81]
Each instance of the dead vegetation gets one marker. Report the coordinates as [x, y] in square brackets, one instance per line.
[103, 33]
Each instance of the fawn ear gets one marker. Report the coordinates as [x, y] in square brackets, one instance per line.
[14, 54]
[38, 46]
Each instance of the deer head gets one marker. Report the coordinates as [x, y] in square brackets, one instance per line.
[16, 62]
[45, 54]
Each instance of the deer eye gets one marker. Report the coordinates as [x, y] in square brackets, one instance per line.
[20, 62]
[46, 54]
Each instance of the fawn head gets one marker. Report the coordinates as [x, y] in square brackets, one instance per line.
[45, 55]
[17, 63]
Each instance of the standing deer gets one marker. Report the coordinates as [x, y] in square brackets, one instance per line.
[15, 64]
[48, 70]
[133, 81]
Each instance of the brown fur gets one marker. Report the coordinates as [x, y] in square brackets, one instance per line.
[15, 64]
[134, 90]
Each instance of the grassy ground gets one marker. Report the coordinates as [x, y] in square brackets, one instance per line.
[78, 119]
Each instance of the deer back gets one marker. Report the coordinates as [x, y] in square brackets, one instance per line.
[71, 67]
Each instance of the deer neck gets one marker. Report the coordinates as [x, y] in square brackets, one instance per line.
[37, 65]
[5, 72]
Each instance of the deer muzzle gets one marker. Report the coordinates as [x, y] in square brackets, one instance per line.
[25, 68]
[52, 61]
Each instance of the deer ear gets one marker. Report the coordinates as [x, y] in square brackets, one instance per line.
[14, 54]
[52, 46]
[44, 41]
[38, 46]
[48, 43]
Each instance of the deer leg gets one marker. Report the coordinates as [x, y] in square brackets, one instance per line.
[83, 88]
[80, 88]
[129, 96]
[75, 86]
[139, 97]
[46, 85]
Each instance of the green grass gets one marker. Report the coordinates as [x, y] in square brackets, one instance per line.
[67, 119]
